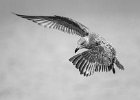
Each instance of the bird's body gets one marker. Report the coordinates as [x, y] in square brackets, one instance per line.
[100, 55]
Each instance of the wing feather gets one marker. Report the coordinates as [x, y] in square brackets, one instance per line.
[60, 23]
[89, 62]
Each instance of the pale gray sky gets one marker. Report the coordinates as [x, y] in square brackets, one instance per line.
[34, 60]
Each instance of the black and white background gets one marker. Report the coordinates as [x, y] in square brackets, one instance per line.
[34, 60]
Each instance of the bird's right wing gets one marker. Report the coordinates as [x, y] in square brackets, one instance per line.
[58, 22]
[91, 61]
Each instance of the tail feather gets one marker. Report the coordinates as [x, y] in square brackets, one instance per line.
[118, 64]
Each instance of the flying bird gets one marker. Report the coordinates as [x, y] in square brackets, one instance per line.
[99, 54]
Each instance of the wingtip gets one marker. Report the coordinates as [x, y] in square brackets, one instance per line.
[14, 13]
[17, 14]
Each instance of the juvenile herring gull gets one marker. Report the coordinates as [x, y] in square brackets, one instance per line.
[99, 56]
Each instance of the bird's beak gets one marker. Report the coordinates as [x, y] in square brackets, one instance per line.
[76, 50]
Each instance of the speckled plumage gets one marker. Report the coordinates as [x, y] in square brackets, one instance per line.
[100, 55]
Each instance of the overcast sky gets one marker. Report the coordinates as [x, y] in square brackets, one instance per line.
[34, 60]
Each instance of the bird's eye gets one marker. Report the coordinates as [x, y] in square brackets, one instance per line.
[82, 43]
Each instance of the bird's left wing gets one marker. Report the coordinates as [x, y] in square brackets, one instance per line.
[58, 22]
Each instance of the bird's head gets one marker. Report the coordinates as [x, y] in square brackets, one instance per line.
[82, 43]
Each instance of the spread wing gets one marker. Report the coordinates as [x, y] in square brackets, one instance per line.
[93, 60]
[58, 22]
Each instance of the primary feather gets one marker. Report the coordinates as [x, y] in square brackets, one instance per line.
[58, 22]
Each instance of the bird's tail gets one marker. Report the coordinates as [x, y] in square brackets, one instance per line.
[118, 64]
